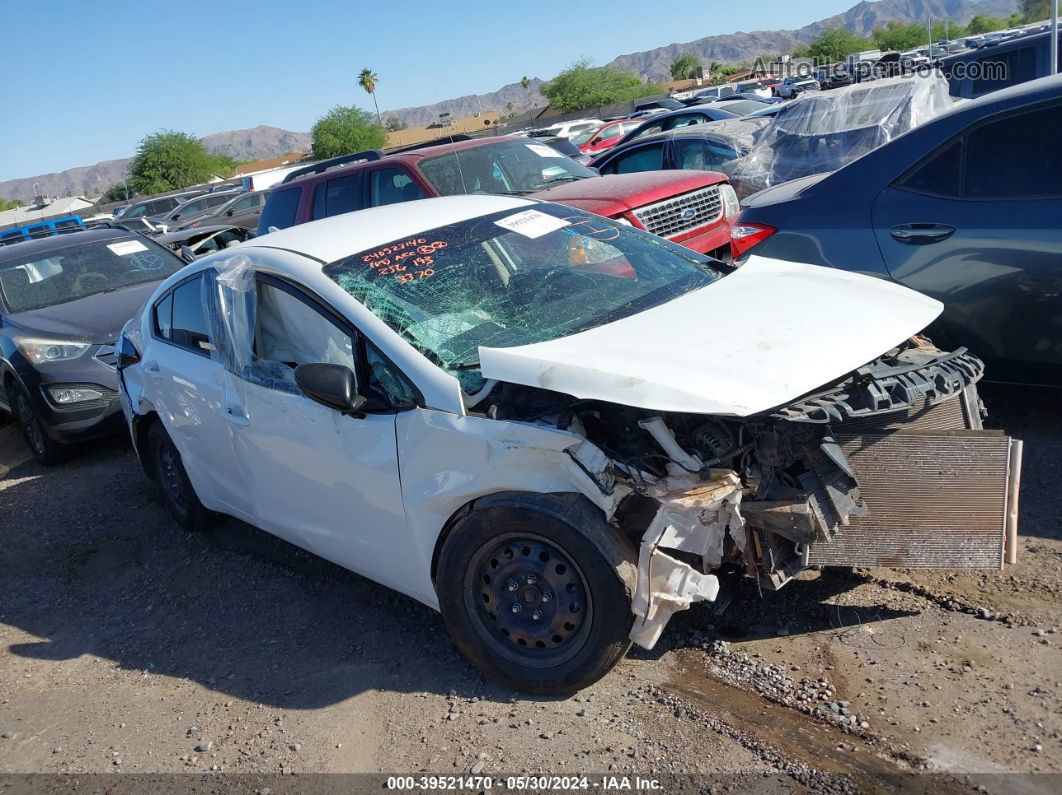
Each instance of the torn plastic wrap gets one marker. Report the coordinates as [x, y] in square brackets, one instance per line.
[231, 309]
[821, 131]
[708, 146]
[694, 517]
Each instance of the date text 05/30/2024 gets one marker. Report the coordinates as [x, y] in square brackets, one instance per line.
[523, 783]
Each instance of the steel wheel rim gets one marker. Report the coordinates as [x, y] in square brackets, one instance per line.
[170, 478]
[528, 600]
[30, 428]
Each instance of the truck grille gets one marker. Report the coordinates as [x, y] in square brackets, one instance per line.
[673, 217]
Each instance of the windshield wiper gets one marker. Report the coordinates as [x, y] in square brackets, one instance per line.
[558, 180]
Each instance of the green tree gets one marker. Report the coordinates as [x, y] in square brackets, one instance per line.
[118, 192]
[526, 83]
[168, 160]
[345, 130]
[394, 124]
[901, 36]
[367, 80]
[1034, 10]
[9, 204]
[982, 24]
[685, 67]
[833, 44]
[582, 86]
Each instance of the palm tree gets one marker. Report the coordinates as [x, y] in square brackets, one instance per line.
[527, 89]
[367, 80]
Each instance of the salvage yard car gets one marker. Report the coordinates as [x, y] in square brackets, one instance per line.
[553, 427]
[690, 208]
[63, 300]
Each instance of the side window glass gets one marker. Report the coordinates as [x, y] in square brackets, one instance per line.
[388, 380]
[652, 129]
[1015, 157]
[291, 332]
[189, 325]
[344, 194]
[938, 175]
[163, 316]
[280, 210]
[684, 121]
[644, 158]
[391, 186]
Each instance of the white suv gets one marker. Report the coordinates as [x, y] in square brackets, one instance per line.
[546, 424]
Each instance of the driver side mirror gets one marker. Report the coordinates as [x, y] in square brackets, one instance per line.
[331, 385]
[229, 212]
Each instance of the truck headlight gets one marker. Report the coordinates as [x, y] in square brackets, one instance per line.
[731, 205]
[70, 395]
[40, 351]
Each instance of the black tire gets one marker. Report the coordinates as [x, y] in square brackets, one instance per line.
[46, 451]
[566, 626]
[177, 491]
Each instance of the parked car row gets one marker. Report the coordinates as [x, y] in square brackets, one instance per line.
[537, 396]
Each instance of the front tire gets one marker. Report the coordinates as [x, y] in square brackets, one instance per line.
[46, 451]
[536, 592]
[177, 491]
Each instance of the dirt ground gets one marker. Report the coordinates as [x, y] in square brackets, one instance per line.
[128, 646]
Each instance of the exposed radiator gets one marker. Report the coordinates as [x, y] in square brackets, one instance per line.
[937, 499]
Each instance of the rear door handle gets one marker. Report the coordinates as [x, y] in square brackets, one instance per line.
[921, 234]
[235, 415]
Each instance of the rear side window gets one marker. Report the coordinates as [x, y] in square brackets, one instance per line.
[341, 195]
[180, 317]
[391, 186]
[939, 175]
[1011, 158]
[644, 158]
[1016, 157]
[280, 209]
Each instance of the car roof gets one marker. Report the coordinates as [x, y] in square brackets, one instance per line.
[407, 156]
[43, 245]
[330, 239]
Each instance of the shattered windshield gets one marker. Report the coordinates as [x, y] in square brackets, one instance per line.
[509, 167]
[514, 278]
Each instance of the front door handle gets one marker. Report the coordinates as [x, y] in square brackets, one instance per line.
[151, 367]
[921, 234]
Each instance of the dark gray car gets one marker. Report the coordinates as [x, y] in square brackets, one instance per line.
[965, 208]
[63, 302]
[240, 210]
[208, 201]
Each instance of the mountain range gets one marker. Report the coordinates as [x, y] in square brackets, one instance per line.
[263, 142]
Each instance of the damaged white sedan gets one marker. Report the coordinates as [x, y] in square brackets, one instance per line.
[553, 427]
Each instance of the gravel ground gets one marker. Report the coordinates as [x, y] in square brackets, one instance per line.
[129, 646]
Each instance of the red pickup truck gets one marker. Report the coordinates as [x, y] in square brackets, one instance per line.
[693, 208]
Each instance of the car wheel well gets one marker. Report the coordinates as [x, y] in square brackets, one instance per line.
[141, 430]
[568, 506]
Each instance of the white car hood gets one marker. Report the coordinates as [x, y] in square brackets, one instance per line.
[756, 339]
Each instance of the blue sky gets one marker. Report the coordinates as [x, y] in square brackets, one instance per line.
[85, 81]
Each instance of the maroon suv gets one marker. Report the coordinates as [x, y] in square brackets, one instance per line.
[692, 208]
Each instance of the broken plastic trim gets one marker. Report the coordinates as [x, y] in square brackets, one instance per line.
[887, 385]
[695, 517]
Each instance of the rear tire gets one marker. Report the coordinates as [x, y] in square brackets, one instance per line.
[46, 451]
[536, 592]
[177, 491]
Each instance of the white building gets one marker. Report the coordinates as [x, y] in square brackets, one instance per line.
[44, 207]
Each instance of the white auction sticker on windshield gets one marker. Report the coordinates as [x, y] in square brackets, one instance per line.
[532, 223]
[127, 247]
[544, 151]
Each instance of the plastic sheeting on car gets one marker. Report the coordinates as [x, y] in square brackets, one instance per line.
[231, 308]
[821, 131]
